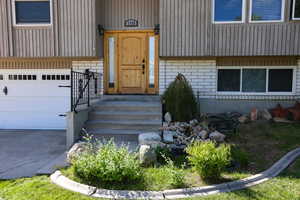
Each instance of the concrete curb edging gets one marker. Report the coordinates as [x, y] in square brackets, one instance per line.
[273, 171]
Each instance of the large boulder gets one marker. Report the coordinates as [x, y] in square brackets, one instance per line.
[76, 150]
[265, 115]
[217, 136]
[203, 134]
[147, 155]
[149, 138]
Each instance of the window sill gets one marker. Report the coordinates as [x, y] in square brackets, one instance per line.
[256, 94]
[33, 26]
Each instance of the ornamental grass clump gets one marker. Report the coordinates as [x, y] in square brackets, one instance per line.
[110, 164]
[208, 159]
[180, 100]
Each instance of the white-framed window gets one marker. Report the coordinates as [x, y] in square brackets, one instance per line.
[228, 11]
[296, 10]
[256, 80]
[266, 11]
[32, 12]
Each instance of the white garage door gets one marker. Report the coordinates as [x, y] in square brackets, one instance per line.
[34, 100]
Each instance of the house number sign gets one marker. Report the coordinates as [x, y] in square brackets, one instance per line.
[131, 23]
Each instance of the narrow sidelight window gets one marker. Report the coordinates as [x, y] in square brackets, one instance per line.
[229, 80]
[280, 80]
[267, 11]
[152, 61]
[228, 11]
[296, 10]
[111, 61]
[32, 12]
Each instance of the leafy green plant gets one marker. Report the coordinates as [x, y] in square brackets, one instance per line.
[108, 164]
[180, 100]
[209, 160]
[175, 175]
[239, 156]
[162, 153]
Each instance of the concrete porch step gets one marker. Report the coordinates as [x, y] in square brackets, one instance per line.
[144, 98]
[127, 106]
[116, 134]
[125, 124]
[124, 115]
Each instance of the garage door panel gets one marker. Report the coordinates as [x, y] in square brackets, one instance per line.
[35, 89]
[34, 104]
[42, 104]
[29, 120]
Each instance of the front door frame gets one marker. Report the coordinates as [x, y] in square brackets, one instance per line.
[115, 89]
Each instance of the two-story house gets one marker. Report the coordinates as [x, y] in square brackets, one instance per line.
[237, 54]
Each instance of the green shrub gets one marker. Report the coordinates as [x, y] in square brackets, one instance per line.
[162, 153]
[175, 175]
[239, 156]
[209, 160]
[180, 100]
[107, 165]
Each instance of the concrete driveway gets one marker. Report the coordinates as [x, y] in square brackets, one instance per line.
[30, 152]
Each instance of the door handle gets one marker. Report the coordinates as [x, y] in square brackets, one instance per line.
[143, 66]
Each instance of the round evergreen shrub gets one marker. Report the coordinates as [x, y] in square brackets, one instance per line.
[180, 100]
[208, 160]
[110, 164]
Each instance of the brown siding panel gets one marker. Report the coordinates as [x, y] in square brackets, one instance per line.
[77, 28]
[116, 11]
[179, 27]
[4, 39]
[34, 42]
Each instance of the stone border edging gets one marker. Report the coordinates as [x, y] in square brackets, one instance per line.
[273, 171]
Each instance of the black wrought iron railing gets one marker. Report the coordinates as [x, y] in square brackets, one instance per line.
[85, 87]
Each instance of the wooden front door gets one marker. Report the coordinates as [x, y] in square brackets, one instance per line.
[131, 62]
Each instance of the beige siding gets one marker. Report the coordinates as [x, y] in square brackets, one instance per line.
[184, 27]
[35, 42]
[77, 28]
[73, 32]
[4, 44]
[115, 12]
[187, 30]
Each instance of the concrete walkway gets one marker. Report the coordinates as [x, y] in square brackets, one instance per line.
[31, 152]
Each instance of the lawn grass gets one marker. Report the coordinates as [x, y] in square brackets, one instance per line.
[264, 142]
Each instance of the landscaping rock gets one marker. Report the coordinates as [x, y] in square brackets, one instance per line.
[148, 138]
[168, 118]
[194, 122]
[168, 136]
[281, 120]
[217, 136]
[76, 150]
[265, 115]
[243, 119]
[203, 134]
[147, 155]
[254, 114]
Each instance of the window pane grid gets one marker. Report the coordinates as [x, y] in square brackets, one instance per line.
[262, 10]
[284, 81]
[228, 11]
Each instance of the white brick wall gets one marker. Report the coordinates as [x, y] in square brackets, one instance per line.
[94, 66]
[200, 73]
